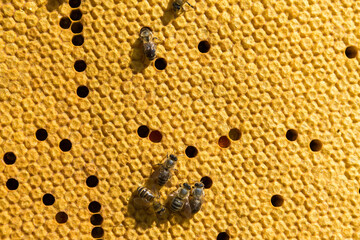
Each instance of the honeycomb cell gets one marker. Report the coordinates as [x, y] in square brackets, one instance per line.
[41, 134]
[12, 184]
[65, 22]
[9, 158]
[61, 217]
[78, 40]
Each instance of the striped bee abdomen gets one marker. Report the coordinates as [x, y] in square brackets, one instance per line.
[145, 193]
[176, 204]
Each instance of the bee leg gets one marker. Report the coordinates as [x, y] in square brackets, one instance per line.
[190, 4]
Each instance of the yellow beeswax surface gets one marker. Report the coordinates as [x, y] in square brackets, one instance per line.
[273, 65]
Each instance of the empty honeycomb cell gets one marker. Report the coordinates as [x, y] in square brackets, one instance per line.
[76, 14]
[315, 145]
[223, 236]
[97, 232]
[9, 158]
[94, 207]
[65, 145]
[92, 181]
[224, 142]
[191, 151]
[82, 91]
[277, 200]
[143, 131]
[204, 46]
[291, 135]
[96, 219]
[155, 136]
[76, 27]
[41, 134]
[48, 199]
[234, 134]
[351, 52]
[80, 65]
[61, 217]
[65, 22]
[78, 40]
[74, 3]
[207, 181]
[12, 184]
[160, 63]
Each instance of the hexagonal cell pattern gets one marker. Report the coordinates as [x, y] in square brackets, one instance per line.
[246, 71]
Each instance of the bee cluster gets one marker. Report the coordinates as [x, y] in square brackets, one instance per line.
[186, 200]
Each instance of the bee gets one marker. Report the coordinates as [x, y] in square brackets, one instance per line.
[146, 36]
[145, 193]
[178, 5]
[180, 198]
[162, 175]
[196, 197]
[159, 209]
[146, 199]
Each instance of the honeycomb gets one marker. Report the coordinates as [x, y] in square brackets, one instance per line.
[258, 98]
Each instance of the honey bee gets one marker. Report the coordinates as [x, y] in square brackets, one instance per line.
[196, 197]
[180, 198]
[146, 199]
[162, 175]
[146, 36]
[178, 5]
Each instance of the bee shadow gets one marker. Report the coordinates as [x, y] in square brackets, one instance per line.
[53, 4]
[138, 60]
[168, 15]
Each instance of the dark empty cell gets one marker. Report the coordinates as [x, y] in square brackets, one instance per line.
[82, 91]
[97, 232]
[78, 40]
[223, 236]
[207, 181]
[191, 151]
[143, 131]
[204, 46]
[65, 145]
[234, 134]
[160, 64]
[92, 181]
[94, 207]
[224, 142]
[96, 219]
[351, 51]
[75, 15]
[48, 199]
[155, 136]
[41, 134]
[315, 145]
[65, 22]
[74, 3]
[77, 27]
[80, 65]
[9, 158]
[277, 200]
[12, 184]
[291, 135]
[61, 217]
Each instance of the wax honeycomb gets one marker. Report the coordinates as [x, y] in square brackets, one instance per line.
[238, 76]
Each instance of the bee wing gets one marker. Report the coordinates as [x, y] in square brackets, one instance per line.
[141, 203]
[186, 210]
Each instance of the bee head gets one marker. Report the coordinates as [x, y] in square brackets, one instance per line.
[173, 157]
[199, 185]
[187, 186]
